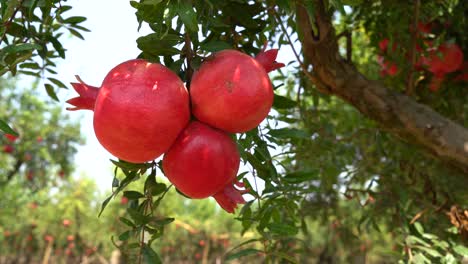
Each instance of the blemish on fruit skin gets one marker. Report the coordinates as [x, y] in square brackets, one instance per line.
[229, 85]
[155, 86]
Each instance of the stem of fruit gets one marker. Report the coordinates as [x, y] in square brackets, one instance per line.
[414, 37]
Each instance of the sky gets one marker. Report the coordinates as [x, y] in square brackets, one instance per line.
[112, 40]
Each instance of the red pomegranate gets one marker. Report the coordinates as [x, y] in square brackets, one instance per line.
[232, 91]
[66, 222]
[139, 109]
[8, 149]
[446, 58]
[11, 138]
[203, 162]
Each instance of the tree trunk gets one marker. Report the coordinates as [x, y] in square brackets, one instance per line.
[398, 114]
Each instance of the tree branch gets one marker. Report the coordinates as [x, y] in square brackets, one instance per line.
[397, 113]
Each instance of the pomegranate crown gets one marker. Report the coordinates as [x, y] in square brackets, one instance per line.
[230, 197]
[87, 96]
[267, 58]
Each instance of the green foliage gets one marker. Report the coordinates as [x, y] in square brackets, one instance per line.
[30, 36]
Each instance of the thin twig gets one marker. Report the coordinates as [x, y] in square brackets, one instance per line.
[311, 77]
[414, 37]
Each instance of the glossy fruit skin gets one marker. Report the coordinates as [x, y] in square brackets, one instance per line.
[139, 110]
[202, 161]
[231, 91]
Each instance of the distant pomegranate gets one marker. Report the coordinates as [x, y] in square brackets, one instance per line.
[139, 109]
[446, 58]
[232, 91]
[123, 200]
[66, 222]
[8, 149]
[11, 138]
[30, 175]
[204, 162]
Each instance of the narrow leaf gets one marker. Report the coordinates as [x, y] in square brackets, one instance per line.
[7, 129]
[150, 256]
[51, 92]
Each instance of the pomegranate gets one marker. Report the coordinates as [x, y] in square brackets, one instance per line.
[203, 162]
[383, 44]
[66, 222]
[11, 138]
[232, 91]
[139, 109]
[123, 200]
[445, 59]
[8, 149]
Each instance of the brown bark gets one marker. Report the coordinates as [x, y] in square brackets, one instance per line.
[398, 114]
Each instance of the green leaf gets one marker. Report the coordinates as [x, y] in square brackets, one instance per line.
[187, 15]
[215, 45]
[30, 65]
[57, 46]
[461, 250]
[430, 251]
[301, 176]
[74, 20]
[131, 166]
[242, 253]
[51, 92]
[124, 236]
[419, 228]
[281, 102]
[57, 82]
[151, 2]
[412, 240]
[127, 222]
[104, 204]
[289, 133]
[10, 9]
[76, 33]
[19, 48]
[7, 129]
[163, 221]
[283, 229]
[133, 195]
[150, 256]
[158, 45]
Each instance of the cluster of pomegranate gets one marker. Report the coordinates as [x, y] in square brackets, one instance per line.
[143, 110]
[439, 60]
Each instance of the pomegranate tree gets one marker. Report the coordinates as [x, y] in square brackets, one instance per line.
[203, 162]
[232, 91]
[139, 109]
